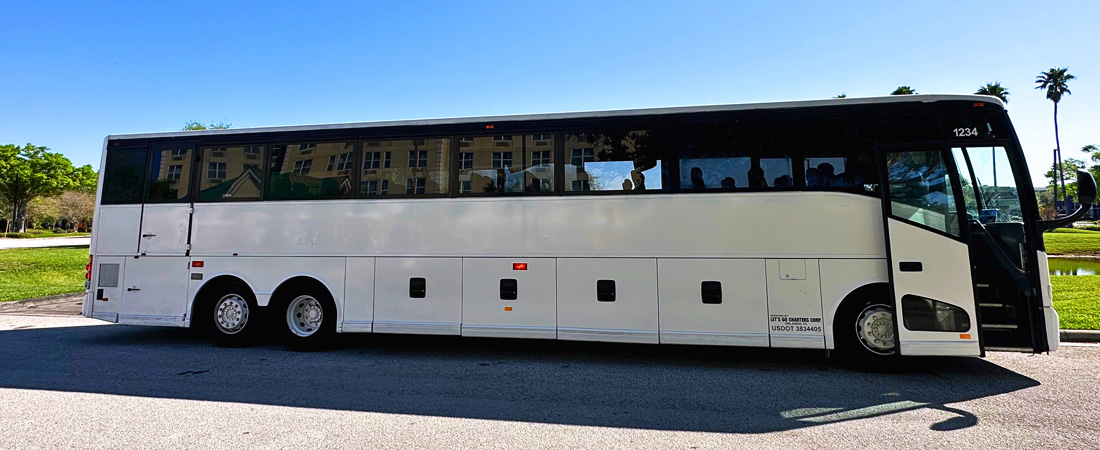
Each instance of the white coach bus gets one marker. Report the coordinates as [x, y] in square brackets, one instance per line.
[902, 225]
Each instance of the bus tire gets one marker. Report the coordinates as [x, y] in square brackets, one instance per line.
[229, 315]
[306, 318]
[864, 330]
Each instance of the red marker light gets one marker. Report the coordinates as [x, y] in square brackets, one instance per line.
[519, 266]
[196, 263]
[979, 105]
[488, 127]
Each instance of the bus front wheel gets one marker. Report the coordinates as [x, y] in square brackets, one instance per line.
[308, 319]
[866, 330]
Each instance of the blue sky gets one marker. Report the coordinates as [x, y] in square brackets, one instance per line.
[78, 71]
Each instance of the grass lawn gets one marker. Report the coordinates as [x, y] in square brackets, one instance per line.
[40, 272]
[40, 234]
[1065, 241]
[1077, 300]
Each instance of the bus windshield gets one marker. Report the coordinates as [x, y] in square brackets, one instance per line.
[992, 195]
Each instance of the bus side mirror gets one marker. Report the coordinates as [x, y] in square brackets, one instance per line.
[1086, 196]
[1086, 188]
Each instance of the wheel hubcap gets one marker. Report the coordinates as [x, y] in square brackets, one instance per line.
[304, 316]
[231, 314]
[875, 329]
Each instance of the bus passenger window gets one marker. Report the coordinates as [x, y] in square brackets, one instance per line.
[170, 174]
[231, 172]
[309, 171]
[405, 167]
[613, 161]
[843, 171]
[125, 176]
[506, 164]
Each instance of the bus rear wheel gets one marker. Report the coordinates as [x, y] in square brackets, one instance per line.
[308, 319]
[231, 316]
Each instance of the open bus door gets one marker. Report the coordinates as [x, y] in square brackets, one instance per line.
[928, 253]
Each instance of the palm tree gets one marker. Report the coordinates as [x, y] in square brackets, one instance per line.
[903, 90]
[995, 90]
[842, 96]
[1055, 82]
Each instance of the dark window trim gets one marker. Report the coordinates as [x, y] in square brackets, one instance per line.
[144, 176]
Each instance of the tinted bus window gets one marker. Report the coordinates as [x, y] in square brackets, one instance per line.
[505, 164]
[124, 177]
[613, 161]
[232, 172]
[170, 174]
[405, 167]
[307, 171]
[725, 157]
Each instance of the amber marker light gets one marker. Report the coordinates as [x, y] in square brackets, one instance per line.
[519, 266]
[964, 336]
[489, 127]
[507, 308]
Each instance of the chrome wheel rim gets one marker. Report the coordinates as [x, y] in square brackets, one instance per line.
[231, 314]
[875, 329]
[304, 316]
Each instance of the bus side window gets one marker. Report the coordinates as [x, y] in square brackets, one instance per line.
[124, 179]
[232, 172]
[628, 161]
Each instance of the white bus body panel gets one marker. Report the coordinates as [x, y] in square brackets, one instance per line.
[741, 225]
[358, 296]
[740, 319]
[117, 230]
[106, 275]
[945, 276]
[794, 303]
[155, 291]
[1047, 292]
[533, 314]
[439, 312]
[164, 229]
[631, 317]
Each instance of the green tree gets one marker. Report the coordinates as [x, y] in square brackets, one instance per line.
[842, 95]
[1069, 190]
[1056, 83]
[995, 90]
[196, 126]
[29, 172]
[903, 90]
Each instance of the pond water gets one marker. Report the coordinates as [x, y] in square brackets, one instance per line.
[1074, 266]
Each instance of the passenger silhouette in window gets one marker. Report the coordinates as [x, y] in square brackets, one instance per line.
[627, 185]
[697, 179]
[756, 178]
[729, 183]
[639, 179]
[827, 173]
[783, 181]
[535, 185]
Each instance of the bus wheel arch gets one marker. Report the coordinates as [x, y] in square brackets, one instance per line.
[303, 313]
[225, 309]
[863, 323]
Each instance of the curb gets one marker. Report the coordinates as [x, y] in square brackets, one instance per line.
[1079, 335]
[41, 299]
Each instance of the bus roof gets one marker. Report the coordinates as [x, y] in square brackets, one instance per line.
[922, 98]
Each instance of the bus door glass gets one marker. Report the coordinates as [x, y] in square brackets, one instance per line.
[928, 255]
[166, 220]
[999, 249]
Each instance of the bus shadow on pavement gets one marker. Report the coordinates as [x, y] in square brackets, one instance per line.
[711, 389]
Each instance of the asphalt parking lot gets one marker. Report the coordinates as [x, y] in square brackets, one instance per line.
[71, 382]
